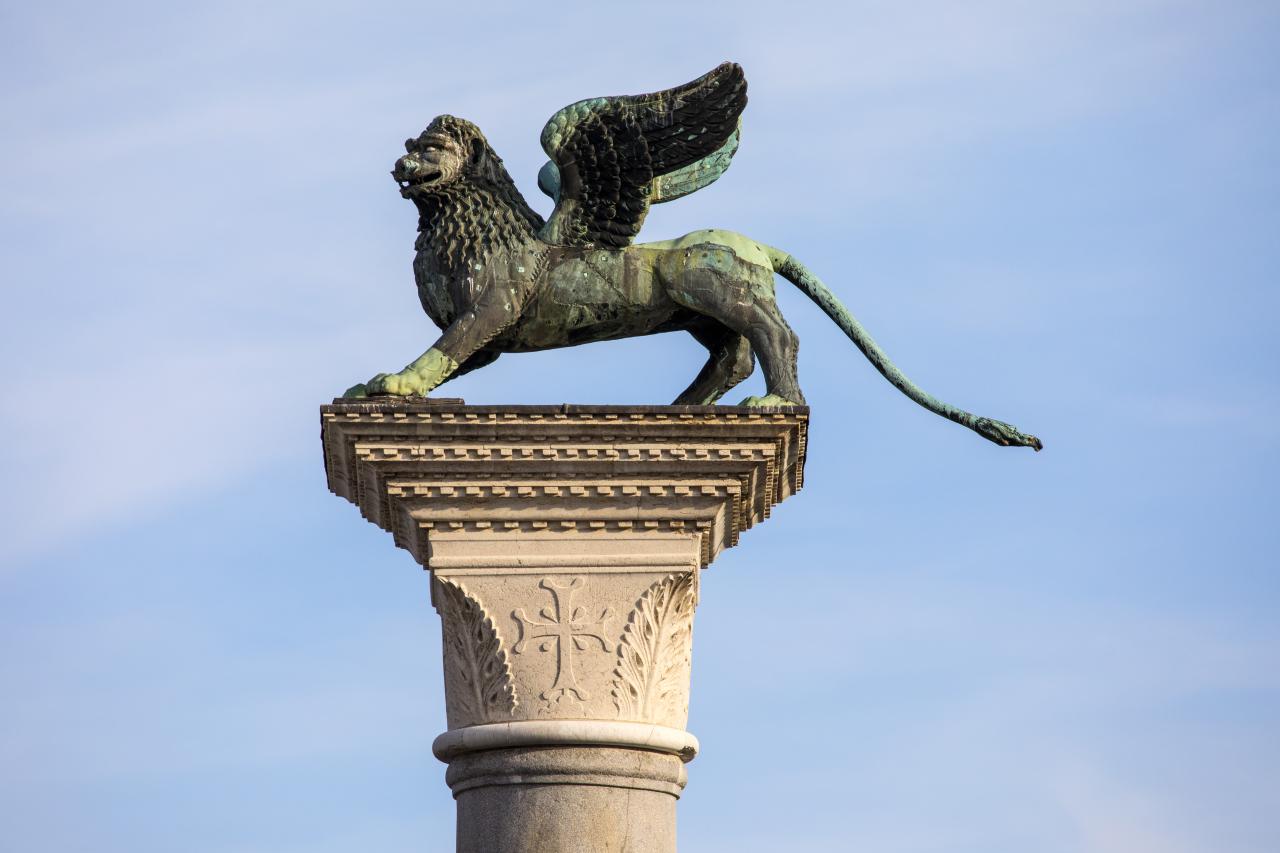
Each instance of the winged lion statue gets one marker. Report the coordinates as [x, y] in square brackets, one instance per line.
[497, 278]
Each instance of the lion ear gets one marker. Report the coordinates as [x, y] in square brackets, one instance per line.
[477, 152]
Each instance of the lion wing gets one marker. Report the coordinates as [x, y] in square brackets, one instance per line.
[613, 157]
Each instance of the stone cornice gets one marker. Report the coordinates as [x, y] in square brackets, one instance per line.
[421, 468]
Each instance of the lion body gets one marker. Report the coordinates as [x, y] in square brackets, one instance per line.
[586, 295]
[715, 284]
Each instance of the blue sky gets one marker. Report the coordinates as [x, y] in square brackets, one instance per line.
[1063, 215]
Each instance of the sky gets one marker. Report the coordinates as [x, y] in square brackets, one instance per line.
[1063, 215]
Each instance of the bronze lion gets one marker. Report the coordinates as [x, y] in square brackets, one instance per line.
[497, 278]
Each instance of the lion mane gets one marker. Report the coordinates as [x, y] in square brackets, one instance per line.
[482, 211]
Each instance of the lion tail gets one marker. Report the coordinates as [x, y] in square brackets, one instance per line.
[810, 285]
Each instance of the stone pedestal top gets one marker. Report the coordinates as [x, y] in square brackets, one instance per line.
[423, 468]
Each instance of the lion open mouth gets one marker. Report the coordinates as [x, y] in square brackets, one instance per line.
[418, 180]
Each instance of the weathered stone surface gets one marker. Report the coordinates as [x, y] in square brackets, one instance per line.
[564, 544]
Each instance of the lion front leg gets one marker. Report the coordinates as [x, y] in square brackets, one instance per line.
[493, 312]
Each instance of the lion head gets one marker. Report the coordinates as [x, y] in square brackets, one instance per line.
[451, 160]
[439, 156]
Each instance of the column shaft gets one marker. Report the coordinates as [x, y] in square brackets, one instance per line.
[566, 799]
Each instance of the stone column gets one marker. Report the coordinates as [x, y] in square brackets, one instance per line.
[564, 545]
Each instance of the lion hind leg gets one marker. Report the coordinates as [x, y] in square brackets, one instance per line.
[729, 362]
[777, 347]
[712, 280]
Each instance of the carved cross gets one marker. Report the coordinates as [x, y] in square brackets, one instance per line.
[567, 630]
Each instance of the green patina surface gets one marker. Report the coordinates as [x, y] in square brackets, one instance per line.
[497, 278]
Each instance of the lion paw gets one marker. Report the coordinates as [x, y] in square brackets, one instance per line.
[767, 400]
[406, 383]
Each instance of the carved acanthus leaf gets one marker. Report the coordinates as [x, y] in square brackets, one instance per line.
[478, 685]
[651, 679]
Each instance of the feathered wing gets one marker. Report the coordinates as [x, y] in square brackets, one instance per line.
[613, 157]
[696, 175]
